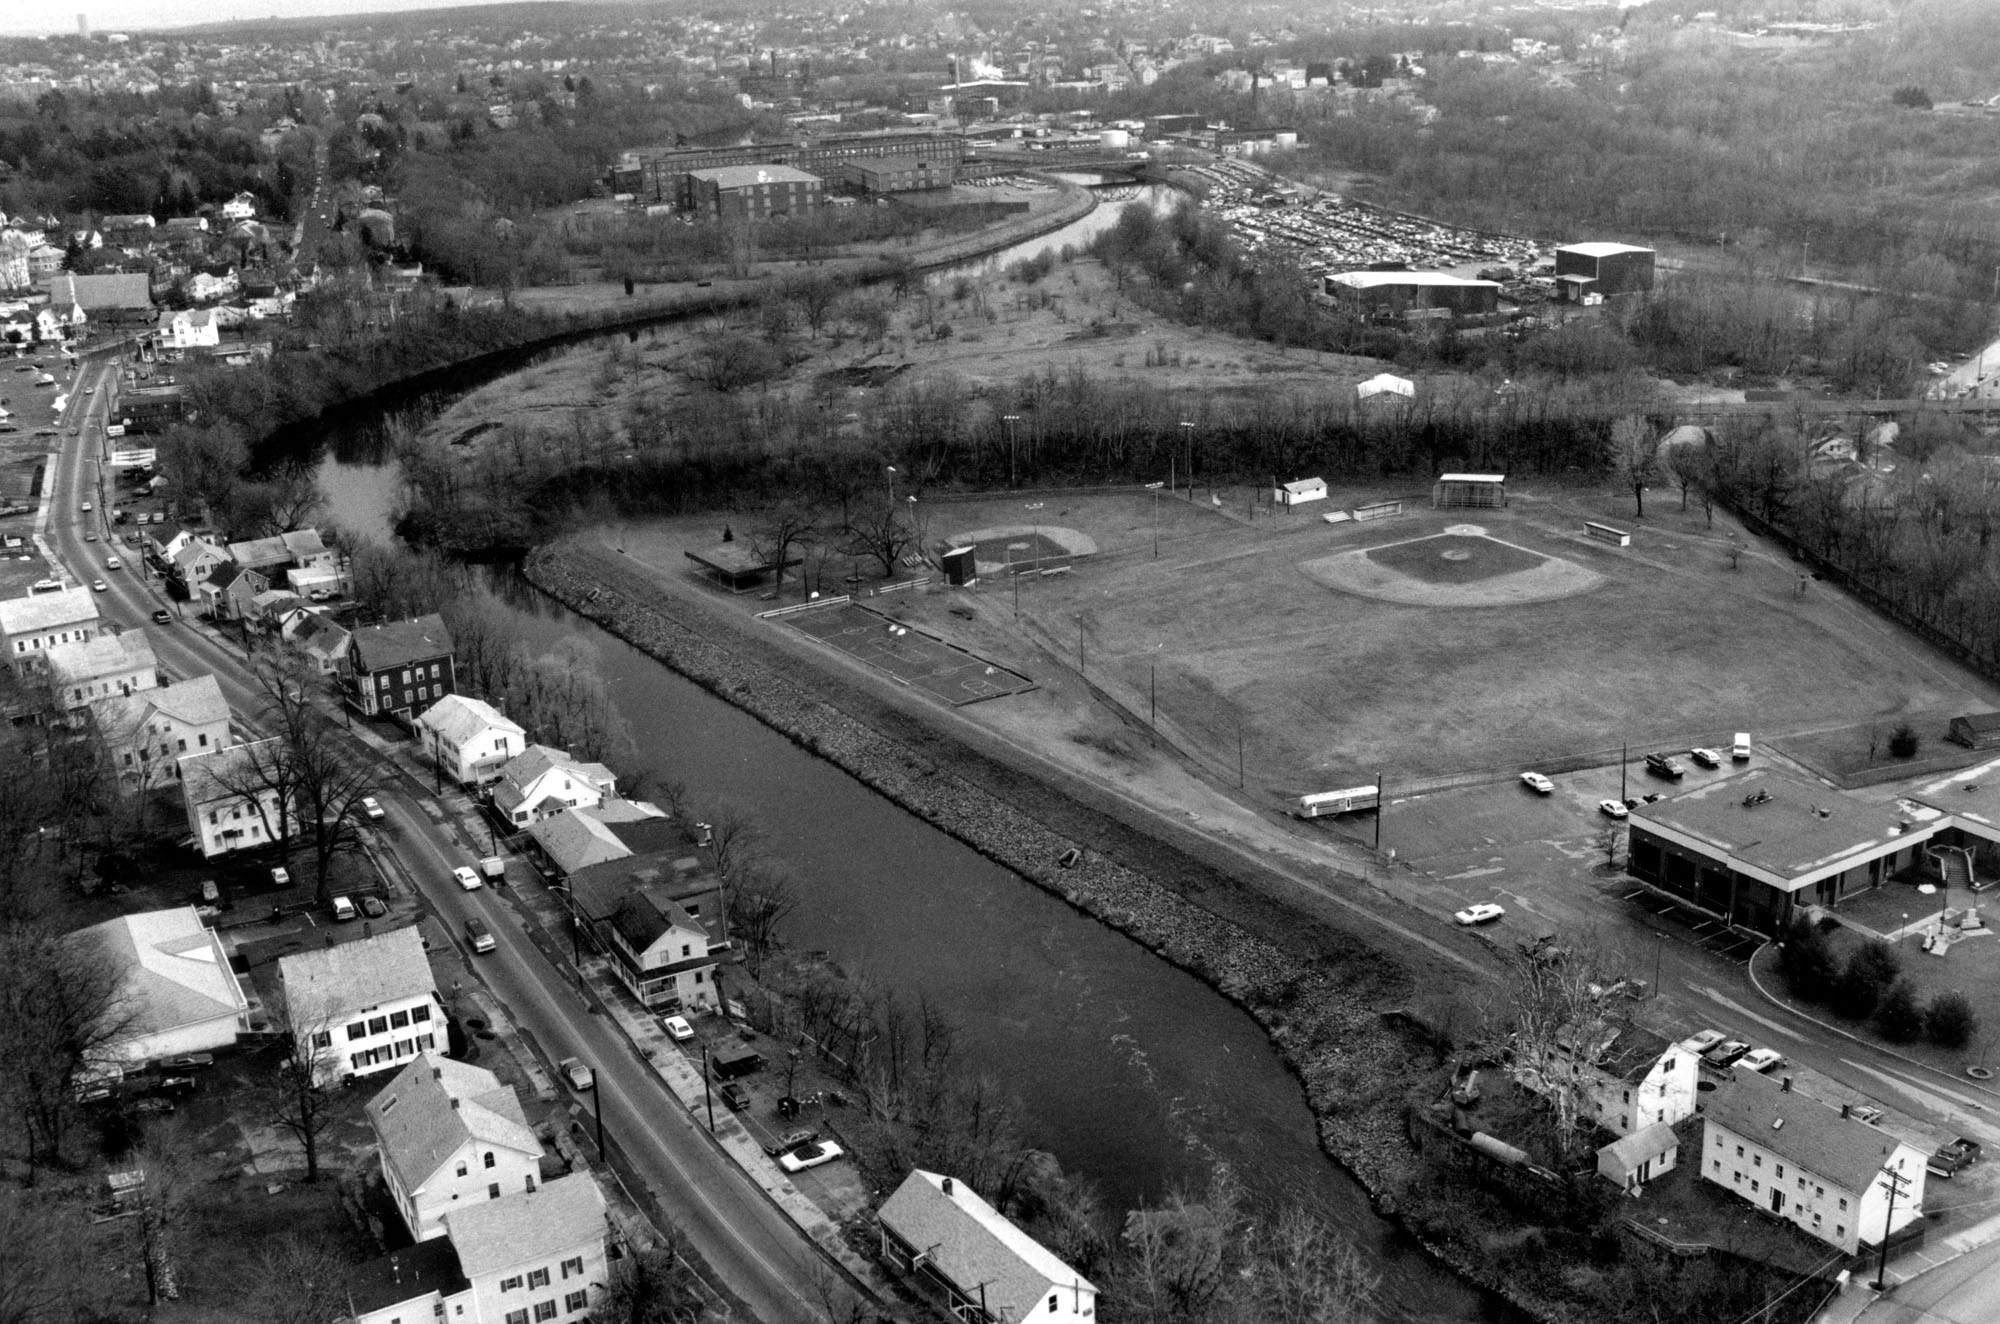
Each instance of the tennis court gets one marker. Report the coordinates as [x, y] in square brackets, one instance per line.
[908, 654]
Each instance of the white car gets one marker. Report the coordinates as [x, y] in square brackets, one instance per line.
[1612, 809]
[1706, 757]
[809, 1156]
[577, 1073]
[99, 586]
[281, 876]
[678, 1027]
[1761, 1059]
[1701, 1041]
[467, 879]
[371, 807]
[1537, 783]
[1483, 913]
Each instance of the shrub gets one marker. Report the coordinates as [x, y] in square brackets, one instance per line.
[1950, 1020]
[1806, 961]
[1900, 1018]
[1911, 98]
[1869, 973]
[1903, 741]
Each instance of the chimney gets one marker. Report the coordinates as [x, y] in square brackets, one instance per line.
[454, 1103]
[1786, 1087]
[947, 1186]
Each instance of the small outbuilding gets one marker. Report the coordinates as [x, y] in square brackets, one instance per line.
[1976, 730]
[1643, 1156]
[737, 566]
[1481, 491]
[1386, 384]
[1299, 491]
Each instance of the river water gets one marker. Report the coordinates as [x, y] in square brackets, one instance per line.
[1127, 1069]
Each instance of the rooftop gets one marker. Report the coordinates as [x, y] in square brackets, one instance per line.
[1804, 1131]
[534, 1228]
[398, 643]
[749, 176]
[101, 655]
[404, 1275]
[433, 1106]
[175, 971]
[1370, 280]
[458, 719]
[197, 702]
[330, 983]
[47, 611]
[583, 836]
[970, 1244]
[1600, 249]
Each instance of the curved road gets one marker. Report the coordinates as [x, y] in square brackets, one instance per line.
[750, 1247]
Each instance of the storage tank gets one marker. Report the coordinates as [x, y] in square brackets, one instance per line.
[1114, 140]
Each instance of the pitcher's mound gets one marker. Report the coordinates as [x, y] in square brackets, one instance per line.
[1023, 545]
[1458, 568]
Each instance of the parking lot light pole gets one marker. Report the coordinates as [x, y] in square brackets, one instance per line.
[707, 1090]
[597, 1108]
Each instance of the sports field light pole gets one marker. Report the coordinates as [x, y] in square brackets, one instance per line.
[1378, 811]
[1011, 422]
[1187, 430]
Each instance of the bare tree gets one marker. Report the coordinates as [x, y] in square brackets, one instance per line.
[300, 1281]
[38, 1272]
[652, 1287]
[881, 533]
[1634, 458]
[1176, 1255]
[302, 1087]
[763, 897]
[163, 1161]
[1300, 1270]
[1563, 1020]
[783, 527]
[816, 300]
[733, 835]
[62, 1006]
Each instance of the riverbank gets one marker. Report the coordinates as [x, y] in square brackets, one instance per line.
[1318, 990]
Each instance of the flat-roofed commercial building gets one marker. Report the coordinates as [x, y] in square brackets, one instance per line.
[1412, 294]
[754, 193]
[1602, 268]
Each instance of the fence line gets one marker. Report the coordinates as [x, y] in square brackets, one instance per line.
[798, 607]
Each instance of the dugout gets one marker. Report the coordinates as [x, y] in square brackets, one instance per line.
[1478, 491]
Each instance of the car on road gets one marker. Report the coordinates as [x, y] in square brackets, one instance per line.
[733, 1095]
[577, 1074]
[1701, 1041]
[1707, 758]
[1661, 765]
[1483, 913]
[280, 876]
[1725, 1053]
[466, 878]
[372, 907]
[479, 935]
[161, 616]
[809, 1156]
[99, 586]
[371, 807]
[85, 507]
[45, 432]
[90, 535]
[1866, 1112]
[113, 563]
[1537, 783]
[1761, 1059]
[1611, 809]
[678, 1028]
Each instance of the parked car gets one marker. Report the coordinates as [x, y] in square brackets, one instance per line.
[809, 1156]
[371, 807]
[1537, 783]
[1660, 765]
[1611, 809]
[466, 878]
[113, 563]
[1950, 1159]
[1725, 1053]
[733, 1095]
[1761, 1059]
[1483, 913]
[372, 907]
[280, 876]
[577, 1074]
[1707, 758]
[186, 1062]
[791, 1140]
[344, 908]
[1739, 748]
[678, 1027]
[1701, 1041]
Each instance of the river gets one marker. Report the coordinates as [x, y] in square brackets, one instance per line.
[1129, 1070]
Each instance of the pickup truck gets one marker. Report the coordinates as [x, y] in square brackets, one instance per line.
[1951, 1158]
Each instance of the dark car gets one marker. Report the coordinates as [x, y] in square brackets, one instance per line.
[187, 1062]
[163, 617]
[1951, 1158]
[733, 1095]
[1660, 765]
[372, 907]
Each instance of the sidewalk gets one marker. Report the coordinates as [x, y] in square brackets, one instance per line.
[1855, 1303]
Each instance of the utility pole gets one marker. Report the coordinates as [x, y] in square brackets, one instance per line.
[1010, 422]
[1897, 1181]
[1378, 811]
[707, 1090]
[1624, 753]
[1239, 764]
[597, 1106]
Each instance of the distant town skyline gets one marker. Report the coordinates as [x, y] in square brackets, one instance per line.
[142, 15]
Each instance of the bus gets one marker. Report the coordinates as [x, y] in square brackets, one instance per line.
[1327, 803]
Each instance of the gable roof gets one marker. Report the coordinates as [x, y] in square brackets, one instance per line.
[257, 552]
[327, 983]
[131, 290]
[526, 1229]
[434, 1106]
[1635, 1052]
[303, 543]
[520, 773]
[969, 1243]
[404, 1275]
[175, 972]
[202, 775]
[196, 702]
[648, 913]
[1804, 1131]
[47, 611]
[458, 719]
[399, 643]
[1630, 1151]
[101, 655]
[583, 836]
[600, 889]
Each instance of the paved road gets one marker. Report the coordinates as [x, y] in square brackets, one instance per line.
[1965, 1291]
[751, 1248]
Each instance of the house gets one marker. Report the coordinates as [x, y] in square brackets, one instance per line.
[196, 560]
[399, 668]
[108, 665]
[1299, 492]
[308, 551]
[1976, 730]
[1827, 1173]
[617, 829]
[541, 781]
[1625, 1078]
[268, 556]
[242, 207]
[164, 542]
[207, 287]
[228, 809]
[146, 734]
[469, 740]
[229, 589]
[1632, 1161]
[450, 1134]
[660, 918]
[191, 328]
[369, 1004]
[987, 1268]
[177, 991]
[31, 626]
[318, 638]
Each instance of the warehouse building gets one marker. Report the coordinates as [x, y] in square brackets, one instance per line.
[1583, 270]
[663, 175]
[1412, 294]
[882, 175]
[756, 193]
